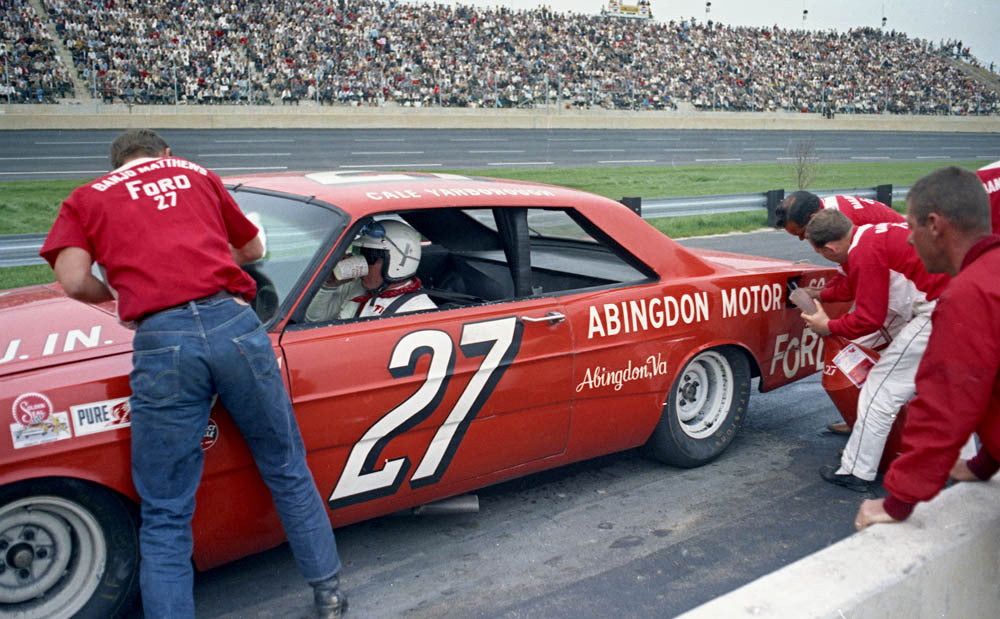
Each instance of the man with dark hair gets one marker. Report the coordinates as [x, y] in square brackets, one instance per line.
[795, 211]
[958, 382]
[877, 260]
[171, 238]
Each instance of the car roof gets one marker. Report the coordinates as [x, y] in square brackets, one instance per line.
[360, 193]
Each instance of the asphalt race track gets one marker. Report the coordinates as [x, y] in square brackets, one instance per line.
[27, 155]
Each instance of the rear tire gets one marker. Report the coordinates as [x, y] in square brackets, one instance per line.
[705, 409]
[67, 549]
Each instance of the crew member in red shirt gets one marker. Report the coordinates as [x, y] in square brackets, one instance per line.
[877, 259]
[990, 176]
[170, 238]
[958, 383]
[793, 216]
[795, 211]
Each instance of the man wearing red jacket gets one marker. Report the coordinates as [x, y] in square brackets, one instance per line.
[958, 383]
[795, 211]
[793, 216]
[990, 176]
[877, 260]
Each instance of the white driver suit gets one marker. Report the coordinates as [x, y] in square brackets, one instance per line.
[342, 302]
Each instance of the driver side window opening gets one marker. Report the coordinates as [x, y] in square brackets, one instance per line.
[469, 257]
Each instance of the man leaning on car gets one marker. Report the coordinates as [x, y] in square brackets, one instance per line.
[171, 239]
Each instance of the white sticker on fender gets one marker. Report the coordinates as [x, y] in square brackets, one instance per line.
[101, 416]
[36, 423]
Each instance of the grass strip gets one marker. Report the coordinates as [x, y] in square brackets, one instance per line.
[31, 206]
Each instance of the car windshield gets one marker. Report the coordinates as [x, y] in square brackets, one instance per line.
[296, 233]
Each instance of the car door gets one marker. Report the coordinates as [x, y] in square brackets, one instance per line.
[416, 403]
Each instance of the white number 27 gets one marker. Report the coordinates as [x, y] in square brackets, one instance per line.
[497, 341]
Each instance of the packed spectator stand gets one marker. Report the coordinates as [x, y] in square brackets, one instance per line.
[385, 53]
[33, 72]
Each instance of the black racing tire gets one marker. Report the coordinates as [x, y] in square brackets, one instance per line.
[68, 548]
[704, 410]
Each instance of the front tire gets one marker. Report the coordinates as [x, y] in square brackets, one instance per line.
[705, 409]
[67, 549]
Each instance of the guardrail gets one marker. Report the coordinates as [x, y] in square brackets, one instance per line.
[22, 249]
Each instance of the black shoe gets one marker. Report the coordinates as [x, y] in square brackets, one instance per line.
[829, 473]
[330, 601]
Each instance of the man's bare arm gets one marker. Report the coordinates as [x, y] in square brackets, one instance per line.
[253, 250]
[72, 269]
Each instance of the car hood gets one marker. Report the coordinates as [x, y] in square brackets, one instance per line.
[40, 327]
[752, 264]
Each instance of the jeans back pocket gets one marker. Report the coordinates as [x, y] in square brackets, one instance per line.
[155, 376]
[255, 348]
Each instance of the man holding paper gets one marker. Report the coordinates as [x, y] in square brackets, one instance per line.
[879, 263]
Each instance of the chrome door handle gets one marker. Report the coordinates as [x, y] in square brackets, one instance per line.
[553, 317]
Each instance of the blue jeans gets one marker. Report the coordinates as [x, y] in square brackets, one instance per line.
[183, 357]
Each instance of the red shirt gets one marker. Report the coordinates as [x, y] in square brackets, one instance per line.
[958, 383]
[990, 176]
[860, 211]
[161, 228]
[877, 254]
[863, 211]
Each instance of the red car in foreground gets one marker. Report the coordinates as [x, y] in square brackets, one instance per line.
[567, 327]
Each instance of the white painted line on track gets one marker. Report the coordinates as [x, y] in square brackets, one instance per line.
[390, 165]
[657, 139]
[379, 139]
[933, 156]
[244, 155]
[477, 139]
[894, 148]
[956, 148]
[494, 152]
[517, 163]
[598, 150]
[574, 139]
[747, 150]
[714, 160]
[834, 148]
[62, 143]
[54, 157]
[629, 161]
[685, 150]
[870, 158]
[274, 141]
[388, 152]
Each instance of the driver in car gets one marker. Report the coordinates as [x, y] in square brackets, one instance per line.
[385, 284]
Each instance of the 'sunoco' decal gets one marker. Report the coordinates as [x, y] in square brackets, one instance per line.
[35, 421]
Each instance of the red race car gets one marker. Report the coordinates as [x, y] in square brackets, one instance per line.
[562, 327]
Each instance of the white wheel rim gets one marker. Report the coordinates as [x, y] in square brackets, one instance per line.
[53, 555]
[704, 394]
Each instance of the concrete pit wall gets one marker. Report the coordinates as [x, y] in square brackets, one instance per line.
[942, 562]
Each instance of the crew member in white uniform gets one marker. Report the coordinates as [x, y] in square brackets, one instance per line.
[877, 259]
[391, 249]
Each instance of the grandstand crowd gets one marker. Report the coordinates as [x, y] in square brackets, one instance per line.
[365, 52]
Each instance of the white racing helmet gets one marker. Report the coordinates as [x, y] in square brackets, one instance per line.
[396, 243]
